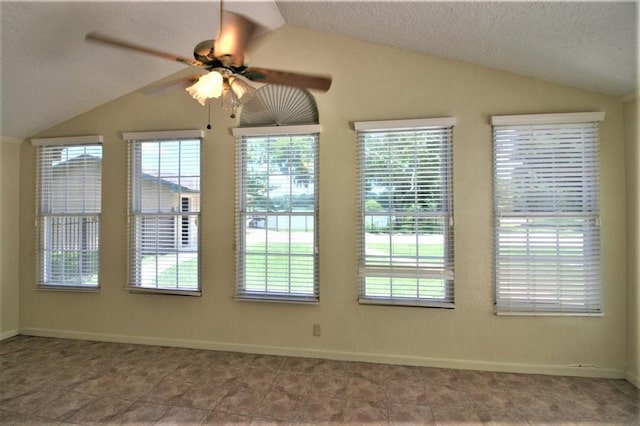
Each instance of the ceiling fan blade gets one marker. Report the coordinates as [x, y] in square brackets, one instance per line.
[306, 81]
[165, 87]
[114, 42]
[233, 38]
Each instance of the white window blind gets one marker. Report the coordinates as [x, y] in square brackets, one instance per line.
[405, 230]
[546, 201]
[69, 180]
[164, 216]
[277, 214]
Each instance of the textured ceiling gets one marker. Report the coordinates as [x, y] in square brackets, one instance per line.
[592, 45]
[49, 74]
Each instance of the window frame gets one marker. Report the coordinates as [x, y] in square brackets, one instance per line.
[43, 214]
[395, 269]
[506, 303]
[243, 134]
[134, 141]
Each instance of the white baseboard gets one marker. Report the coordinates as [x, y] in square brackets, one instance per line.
[8, 334]
[633, 379]
[548, 369]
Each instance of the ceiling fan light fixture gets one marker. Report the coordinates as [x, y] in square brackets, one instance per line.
[241, 89]
[230, 101]
[208, 86]
[224, 58]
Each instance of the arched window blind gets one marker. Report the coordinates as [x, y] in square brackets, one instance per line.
[405, 229]
[546, 203]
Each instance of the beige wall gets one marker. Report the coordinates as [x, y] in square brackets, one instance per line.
[9, 236]
[633, 240]
[370, 82]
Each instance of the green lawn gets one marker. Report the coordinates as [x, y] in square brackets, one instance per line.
[280, 247]
[269, 268]
[411, 288]
[278, 272]
[73, 268]
[185, 274]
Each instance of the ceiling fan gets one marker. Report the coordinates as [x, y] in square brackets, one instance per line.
[224, 60]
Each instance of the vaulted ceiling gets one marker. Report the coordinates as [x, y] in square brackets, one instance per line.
[50, 74]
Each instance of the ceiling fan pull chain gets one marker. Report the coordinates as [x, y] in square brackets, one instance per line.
[209, 123]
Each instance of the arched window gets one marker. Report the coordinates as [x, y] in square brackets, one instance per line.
[277, 196]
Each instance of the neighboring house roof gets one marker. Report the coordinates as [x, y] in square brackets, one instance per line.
[171, 186]
[87, 158]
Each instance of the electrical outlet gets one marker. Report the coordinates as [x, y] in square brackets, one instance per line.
[316, 330]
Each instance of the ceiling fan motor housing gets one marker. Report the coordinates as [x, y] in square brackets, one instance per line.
[204, 51]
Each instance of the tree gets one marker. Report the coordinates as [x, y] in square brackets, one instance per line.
[405, 172]
[275, 168]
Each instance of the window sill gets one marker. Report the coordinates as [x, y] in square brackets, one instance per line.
[549, 314]
[170, 292]
[68, 288]
[407, 303]
[277, 299]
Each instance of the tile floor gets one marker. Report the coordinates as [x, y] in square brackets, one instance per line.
[58, 381]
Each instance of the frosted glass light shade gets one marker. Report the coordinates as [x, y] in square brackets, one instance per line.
[241, 89]
[207, 86]
[230, 101]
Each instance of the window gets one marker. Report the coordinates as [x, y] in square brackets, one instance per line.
[277, 213]
[406, 217]
[69, 178]
[164, 211]
[547, 235]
